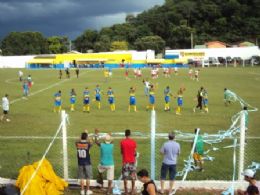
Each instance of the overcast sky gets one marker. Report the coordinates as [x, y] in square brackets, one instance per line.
[66, 17]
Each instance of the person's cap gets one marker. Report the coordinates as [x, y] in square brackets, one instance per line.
[108, 139]
[171, 134]
[249, 173]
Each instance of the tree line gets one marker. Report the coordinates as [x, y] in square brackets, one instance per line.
[170, 25]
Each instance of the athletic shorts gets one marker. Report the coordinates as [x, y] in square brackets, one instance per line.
[98, 98]
[111, 100]
[86, 101]
[57, 103]
[108, 169]
[132, 101]
[151, 99]
[205, 101]
[72, 100]
[5, 111]
[172, 171]
[197, 157]
[129, 171]
[167, 99]
[85, 172]
[180, 102]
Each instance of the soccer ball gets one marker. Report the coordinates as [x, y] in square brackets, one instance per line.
[8, 120]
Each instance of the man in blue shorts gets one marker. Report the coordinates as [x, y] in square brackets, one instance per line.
[170, 151]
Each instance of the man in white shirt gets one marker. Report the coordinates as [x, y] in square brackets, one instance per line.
[5, 106]
[20, 73]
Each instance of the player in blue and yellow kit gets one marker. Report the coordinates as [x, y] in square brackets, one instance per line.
[86, 100]
[132, 100]
[98, 96]
[151, 98]
[167, 94]
[205, 100]
[111, 99]
[179, 100]
[72, 99]
[57, 101]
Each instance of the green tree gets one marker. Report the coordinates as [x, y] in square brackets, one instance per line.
[155, 43]
[86, 40]
[24, 43]
[58, 44]
[103, 44]
[119, 45]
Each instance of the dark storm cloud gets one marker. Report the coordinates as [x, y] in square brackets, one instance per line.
[66, 17]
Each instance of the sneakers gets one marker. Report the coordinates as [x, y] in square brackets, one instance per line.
[89, 192]
[82, 192]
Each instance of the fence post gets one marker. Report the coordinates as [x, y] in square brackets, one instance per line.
[242, 145]
[64, 145]
[153, 125]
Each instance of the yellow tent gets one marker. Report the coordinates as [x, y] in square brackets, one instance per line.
[45, 182]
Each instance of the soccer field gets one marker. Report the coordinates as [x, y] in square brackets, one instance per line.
[35, 117]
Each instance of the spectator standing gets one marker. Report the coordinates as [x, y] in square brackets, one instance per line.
[128, 151]
[149, 187]
[170, 150]
[254, 186]
[106, 160]
[5, 106]
[84, 163]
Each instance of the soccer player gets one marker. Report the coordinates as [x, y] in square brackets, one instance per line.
[5, 106]
[20, 74]
[199, 99]
[111, 99]
[196, 75]
[72, 99]
[25, 88]
[167, 94]
[29, 80]
[176, 70]
[151, 98]
[205, 100]
[84, 163]
[98, 96]
[139, 72]
[229, 97]
[77, 72]
[190, 73]
[127, 74]
[67, 72]
[179, 100]
[86, 100]
[57, 101]
[60, 74]
[106, 75]
[146, 87]
[198, 152]
[132, 100]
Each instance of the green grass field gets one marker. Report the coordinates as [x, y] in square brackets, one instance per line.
[35, 117]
